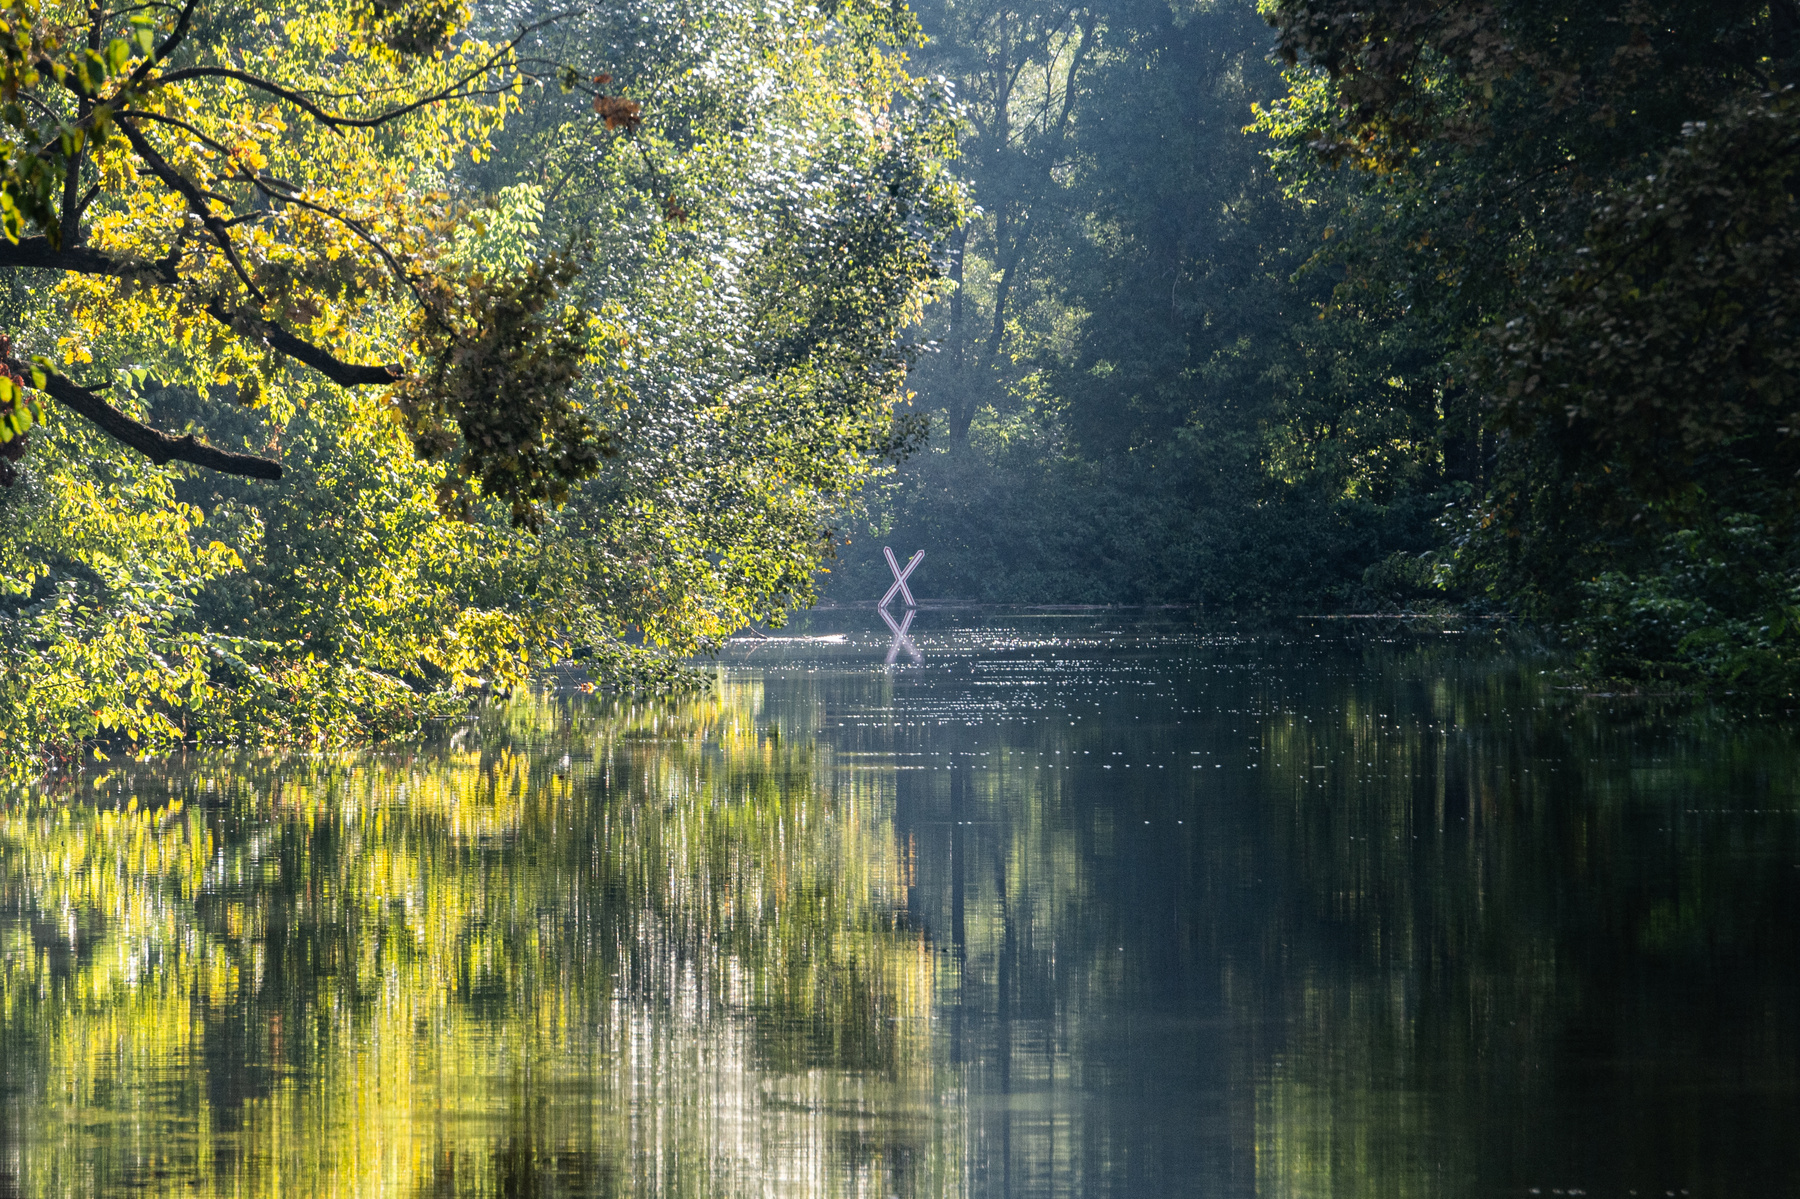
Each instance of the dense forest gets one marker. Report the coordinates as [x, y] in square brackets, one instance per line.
[1390, 306]
[363, 357]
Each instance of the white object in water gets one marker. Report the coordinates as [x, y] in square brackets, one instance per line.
[900, 577]
[901, 642]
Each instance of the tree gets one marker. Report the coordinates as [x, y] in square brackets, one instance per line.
[1019, 73]
[762, 242]
[257, 182]
[1591, 208]
[725, 243]
[1132, 371]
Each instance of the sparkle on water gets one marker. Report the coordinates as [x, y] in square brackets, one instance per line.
[1022, 907]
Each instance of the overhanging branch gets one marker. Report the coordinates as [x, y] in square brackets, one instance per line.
[190, 191]
[154, 444]
[37, 253]
[337, 122]
[344, 374]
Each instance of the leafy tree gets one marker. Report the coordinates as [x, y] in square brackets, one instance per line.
[762, 241]
[1132, 368]
[712, 234]
[1021, 72]
[247, 180]
[1591, 210]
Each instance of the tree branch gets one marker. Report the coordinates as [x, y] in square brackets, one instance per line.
[37, 253]
[154, 444]
[287, 195]
[209, 143]
[166, 48]
[70, 219]
[82, 206]
[332, 121]
[186, 188]
[458, 90]
[345, 374]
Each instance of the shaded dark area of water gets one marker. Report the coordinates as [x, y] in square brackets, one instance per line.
[1053, 905]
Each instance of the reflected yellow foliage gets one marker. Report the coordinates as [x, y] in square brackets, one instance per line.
[364, 974]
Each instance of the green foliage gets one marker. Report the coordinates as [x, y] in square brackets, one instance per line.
[1665, 338]
[501, 355]
[19, 411]
[645, 382]
[760, 243]
[1134, 395]
[1589, 213]
[1719, 606]
[96, 77]
[129, 615]
[1423, 89]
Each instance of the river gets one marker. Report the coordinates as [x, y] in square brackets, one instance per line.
[1055, 904]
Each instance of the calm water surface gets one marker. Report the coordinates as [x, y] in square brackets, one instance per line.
[1053, 906]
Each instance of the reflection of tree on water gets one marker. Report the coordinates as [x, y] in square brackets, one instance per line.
[1486, 943]
[688, 949]
[1492, 862]
[344, 973]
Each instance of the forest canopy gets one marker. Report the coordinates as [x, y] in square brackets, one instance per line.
[362, 355]
[1593, 209]
[250, 176]
[1399, 305]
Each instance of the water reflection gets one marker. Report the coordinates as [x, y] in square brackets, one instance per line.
[643, 951]
[901, 644]
[1074, 908]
